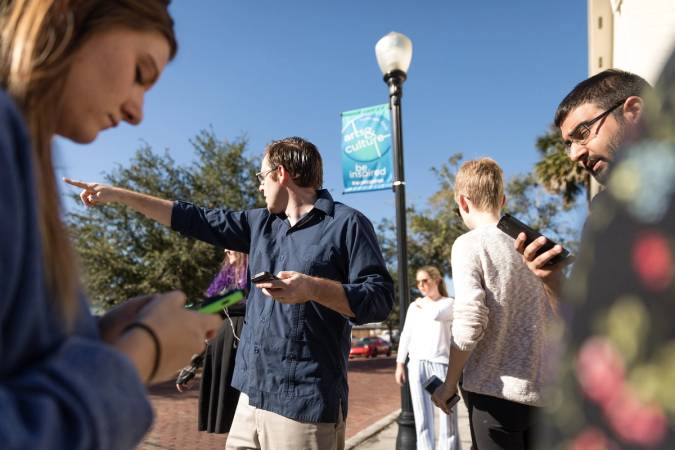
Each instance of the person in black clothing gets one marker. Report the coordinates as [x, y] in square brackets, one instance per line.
[217, 398]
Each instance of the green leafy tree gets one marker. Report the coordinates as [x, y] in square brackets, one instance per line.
[386, 234]
[124, 254]
[439, 224]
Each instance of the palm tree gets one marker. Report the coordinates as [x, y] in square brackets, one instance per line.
[556, 171]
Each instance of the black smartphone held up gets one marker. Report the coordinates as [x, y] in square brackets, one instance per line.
[216, 304]
[513, 227]
[434, 383]
[263, 277]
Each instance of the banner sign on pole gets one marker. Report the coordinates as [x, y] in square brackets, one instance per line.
[366, 149]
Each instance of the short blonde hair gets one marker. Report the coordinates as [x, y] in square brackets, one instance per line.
[481, 181]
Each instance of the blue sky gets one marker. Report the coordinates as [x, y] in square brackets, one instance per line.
[485, 80]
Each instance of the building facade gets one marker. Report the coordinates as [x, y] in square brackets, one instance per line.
[633, 35]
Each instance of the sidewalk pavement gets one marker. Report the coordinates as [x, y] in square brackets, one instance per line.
[371, 423]
[382, 434]
[373, 394]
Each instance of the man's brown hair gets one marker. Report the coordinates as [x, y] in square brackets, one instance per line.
[299, 157]
[481, 181]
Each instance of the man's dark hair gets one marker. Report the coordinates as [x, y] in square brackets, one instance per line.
[605, 90]
[300, 157]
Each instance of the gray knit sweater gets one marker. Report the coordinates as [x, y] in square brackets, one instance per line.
[501, 314]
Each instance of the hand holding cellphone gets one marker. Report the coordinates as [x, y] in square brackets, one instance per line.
[263, 277]
[434, 383]
[513, 227]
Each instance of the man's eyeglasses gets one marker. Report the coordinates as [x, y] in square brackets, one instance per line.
[263, 174]
[582, 132]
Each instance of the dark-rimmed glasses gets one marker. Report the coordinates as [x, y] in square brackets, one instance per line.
[581, 134]
[263, 174]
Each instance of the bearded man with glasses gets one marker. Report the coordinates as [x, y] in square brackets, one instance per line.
[598, 117]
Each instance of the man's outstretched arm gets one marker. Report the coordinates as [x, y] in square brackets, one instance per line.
[152, 207]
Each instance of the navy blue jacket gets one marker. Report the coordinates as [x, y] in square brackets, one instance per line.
[58, 390]
[292, 359]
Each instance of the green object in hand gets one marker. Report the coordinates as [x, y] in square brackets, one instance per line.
[216, 304]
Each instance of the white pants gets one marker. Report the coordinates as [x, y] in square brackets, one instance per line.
[420, 371]
[254, 428]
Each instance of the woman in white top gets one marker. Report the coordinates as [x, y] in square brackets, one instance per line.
[426, 339]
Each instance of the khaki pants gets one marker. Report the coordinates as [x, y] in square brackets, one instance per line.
[255, 428]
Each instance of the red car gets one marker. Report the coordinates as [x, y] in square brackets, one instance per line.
[370, 347]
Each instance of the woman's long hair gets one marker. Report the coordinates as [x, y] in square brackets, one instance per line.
[230, 276]
[437, 277]
[38, 39]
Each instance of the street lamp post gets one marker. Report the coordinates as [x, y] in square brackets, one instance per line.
[394, 53]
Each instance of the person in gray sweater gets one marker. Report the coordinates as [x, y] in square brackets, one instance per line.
[501, 313]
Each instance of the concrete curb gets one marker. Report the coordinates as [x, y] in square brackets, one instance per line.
[371, 430]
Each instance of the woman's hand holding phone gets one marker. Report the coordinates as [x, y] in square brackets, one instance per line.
[180, 332]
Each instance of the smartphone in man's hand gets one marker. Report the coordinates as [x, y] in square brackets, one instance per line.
[263, 277]
[513, 227]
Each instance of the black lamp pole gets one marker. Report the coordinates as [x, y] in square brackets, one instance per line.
[406, 438]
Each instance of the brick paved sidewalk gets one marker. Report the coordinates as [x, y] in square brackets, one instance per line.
[372, 395]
